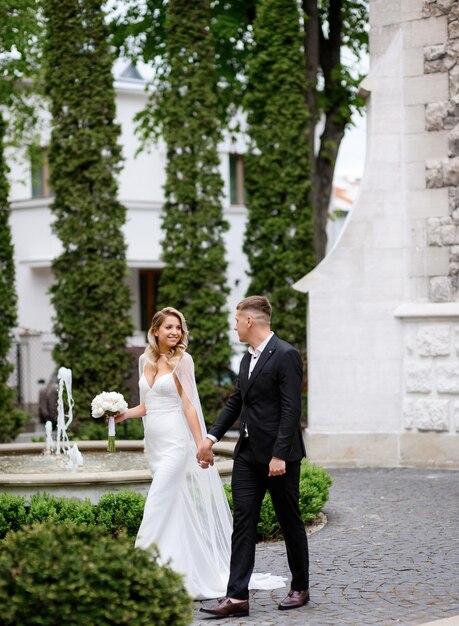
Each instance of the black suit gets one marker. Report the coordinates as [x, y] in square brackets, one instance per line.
[269, 405]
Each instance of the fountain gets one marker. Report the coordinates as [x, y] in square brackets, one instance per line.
[59, 468]
[25, 469]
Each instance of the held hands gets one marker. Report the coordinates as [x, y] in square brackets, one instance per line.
[204, 455]
[276, 467]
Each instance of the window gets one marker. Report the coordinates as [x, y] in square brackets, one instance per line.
[40, 173]
[236, 170]
[149, 282]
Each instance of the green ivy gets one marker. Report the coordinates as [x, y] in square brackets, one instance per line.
[279, 233]
[11, 419]
[90, 294]
[194, 279]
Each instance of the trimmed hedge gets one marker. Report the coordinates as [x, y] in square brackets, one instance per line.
[12, 513]
[122, 512]
[315, 484]
[76, 574]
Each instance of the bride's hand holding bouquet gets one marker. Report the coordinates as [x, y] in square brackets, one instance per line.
[111, 405]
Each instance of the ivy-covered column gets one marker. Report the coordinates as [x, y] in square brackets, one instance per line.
[90, 296]
[194, 279]
[279, 234]
[11, 419]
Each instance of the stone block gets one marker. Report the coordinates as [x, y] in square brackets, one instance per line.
[436, 114]
[437, 261]
[453, 81]
[453, 29]
[415, 119]
[425, 89]
[429, 449]
[413, 62]
[439, 58]
[448, 235]
[434, 174]
[384, 12]
[451, 172]
[428, 203]
[431, 414]
[434, 231]
[433, 340]
[433, 8]
[447, 376]
[417, 262]
[418, 377]
[425, 32]
[453, 199]
[456, 416]
[456, 339]
[440, 289]
[415, 175]
[453, 143]
[408, 414]
[359, 449]
[411, 10]
[381, 38]
[423, 146]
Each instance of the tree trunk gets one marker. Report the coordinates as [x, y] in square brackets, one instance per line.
[311, 53]
[323, 182]
[335, 124]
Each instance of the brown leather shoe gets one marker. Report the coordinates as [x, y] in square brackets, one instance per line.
[294, 599]
[227, 608]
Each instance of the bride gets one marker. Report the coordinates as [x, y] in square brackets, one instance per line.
[186, 513]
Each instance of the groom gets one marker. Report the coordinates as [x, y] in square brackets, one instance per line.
[267, 399]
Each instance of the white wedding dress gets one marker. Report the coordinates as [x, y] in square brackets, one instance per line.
[186, 514]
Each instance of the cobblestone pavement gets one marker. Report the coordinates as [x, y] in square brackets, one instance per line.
[389, 554]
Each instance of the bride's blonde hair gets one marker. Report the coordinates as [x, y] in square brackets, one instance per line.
[174, 355]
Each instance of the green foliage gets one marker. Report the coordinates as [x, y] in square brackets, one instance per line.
[315, 483]
[115, 512]
[280, 216]
[120, 511]
[11, 419]
[44, 507]
[193, 248]
[89, 295]
[75, 575]
[12, 513]
[20, 43]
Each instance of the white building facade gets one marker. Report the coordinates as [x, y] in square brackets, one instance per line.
[141, 191]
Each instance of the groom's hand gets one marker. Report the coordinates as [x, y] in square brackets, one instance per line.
[204, 455]
[276, 467]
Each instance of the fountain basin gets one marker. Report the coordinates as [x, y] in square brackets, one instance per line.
[86, 484]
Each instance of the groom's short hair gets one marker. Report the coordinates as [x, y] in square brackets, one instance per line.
[258, 306]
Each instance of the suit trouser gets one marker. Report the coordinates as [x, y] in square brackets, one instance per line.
[249, 484]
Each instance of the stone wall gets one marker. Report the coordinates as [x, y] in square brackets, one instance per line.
[444, 173]
[431, 377]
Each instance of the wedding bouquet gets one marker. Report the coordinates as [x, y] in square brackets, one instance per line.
[106, 404]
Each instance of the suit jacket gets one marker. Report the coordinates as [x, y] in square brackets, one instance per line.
[269, 403]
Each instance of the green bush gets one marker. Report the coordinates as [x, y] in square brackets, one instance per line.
[44, 507]
[315, 483]
[76, 574]
[120, 511]
[12, 513]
